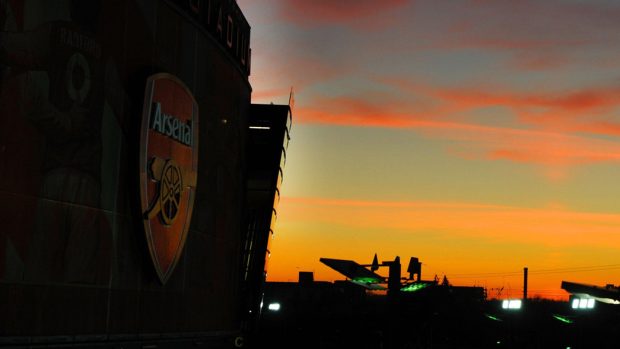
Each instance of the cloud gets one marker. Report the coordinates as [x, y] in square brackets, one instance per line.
[297, 71]
[587, 110]
[321, 12]
[538, 61]
[533, 25]
[583, 110]
[531, 36]
[266, 95]
[556, 126]
[554, 130]
[574, 101]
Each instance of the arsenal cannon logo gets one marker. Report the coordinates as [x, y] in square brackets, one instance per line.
[168, 165]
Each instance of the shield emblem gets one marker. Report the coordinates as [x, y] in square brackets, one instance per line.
[168, 167]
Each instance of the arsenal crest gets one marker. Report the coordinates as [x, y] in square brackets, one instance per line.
[168, 167]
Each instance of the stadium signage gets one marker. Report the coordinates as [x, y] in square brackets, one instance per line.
[170, 125]
[168, 168]
[225, 22]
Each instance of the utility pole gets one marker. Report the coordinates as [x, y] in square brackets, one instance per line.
[525, 284]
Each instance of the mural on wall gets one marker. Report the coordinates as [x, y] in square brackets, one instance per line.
[89, 221]
[72, 80]
[52, 104]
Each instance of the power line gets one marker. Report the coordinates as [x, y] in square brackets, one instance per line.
[577, 270]
[538, 272]
[591, 266]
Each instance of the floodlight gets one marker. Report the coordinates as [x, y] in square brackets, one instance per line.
[414, 287]
[365, 280]
[511, 304]
[274, 306]
[583, 303]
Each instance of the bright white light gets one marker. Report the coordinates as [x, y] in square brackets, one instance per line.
[583, 303]
[511, 304]
[260, 127]
[514, 304]
[274, 306]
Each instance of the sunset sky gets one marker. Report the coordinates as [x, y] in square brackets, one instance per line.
[479, 136]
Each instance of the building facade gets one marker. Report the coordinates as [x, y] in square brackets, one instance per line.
[124, 128]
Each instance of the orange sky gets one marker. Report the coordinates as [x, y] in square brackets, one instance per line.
[478, 136]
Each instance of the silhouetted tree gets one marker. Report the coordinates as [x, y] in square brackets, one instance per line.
[445, 281]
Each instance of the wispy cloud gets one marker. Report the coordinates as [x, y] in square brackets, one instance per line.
[299, 72]
[598, 99]
[538, 62]
[321, 12]
[526, 25]
[556, 130]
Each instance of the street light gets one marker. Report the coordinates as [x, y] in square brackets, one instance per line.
[511, 304]
[582, 303]
[274, 306]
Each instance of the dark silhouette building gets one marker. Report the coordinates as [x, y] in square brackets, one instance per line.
[131, 175]
[269, 135]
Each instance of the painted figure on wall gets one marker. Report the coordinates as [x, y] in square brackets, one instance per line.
[52, 55]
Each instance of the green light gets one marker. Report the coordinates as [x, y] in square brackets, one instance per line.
[366, 280]
[492, 317]
[414, 287]
[563, 319]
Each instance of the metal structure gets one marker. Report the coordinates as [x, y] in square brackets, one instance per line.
[269, 134]
[608, 294]
[360, 275]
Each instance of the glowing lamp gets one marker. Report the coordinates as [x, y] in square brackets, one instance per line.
[414, 287]
[274, 306]
[582, 303]
[511, 304]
